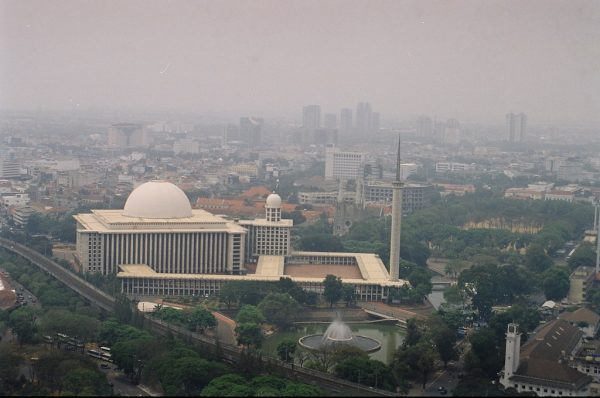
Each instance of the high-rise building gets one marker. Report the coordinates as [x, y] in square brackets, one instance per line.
[343, 165]
[363, 117]
[251, 130]
[516, 127]
[346, 120]
[9, 166]
[330, 121]
[424, 126]
[232, 133]
[311, 117]
[374, 127]
[127, 135]
[452, 132]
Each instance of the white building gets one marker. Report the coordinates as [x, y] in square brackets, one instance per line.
[15, 199]
[270, 235]
[9, 168]
[343, 165]
[158, 245]
[541, 365]
[186, 145]
[443, 167]
[158, 228]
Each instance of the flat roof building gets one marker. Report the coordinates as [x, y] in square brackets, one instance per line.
[159, 245]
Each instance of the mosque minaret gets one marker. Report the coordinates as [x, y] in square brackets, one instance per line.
[396, 221]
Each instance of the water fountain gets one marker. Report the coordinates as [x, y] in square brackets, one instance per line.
[338, 334]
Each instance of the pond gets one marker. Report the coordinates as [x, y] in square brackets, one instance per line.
[390, 337]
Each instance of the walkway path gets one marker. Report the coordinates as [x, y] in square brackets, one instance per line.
[225, 328]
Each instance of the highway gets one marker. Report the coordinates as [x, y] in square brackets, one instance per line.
[227, 352]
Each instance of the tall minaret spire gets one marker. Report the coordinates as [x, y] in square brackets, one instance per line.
[396, 221]
[398, 171]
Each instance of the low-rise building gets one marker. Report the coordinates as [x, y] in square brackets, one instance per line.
[541, 366]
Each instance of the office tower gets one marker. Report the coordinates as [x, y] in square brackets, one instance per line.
[232, 133]
[9, 166]
[516, 127]
[396, 220]
[452, 132]
[363, 117]
[251, 130]
[330, 121]
[346, 120]
[311, 117]
[374, 127]
[127, 135]
[343, 165]
[424, 126]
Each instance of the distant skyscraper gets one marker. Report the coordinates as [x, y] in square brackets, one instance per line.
[330, 121]
[10, 166]
[311, 117]
[346, 120]
[232, 133]
[516, 127]
[374, 127]
[127, 135]
[424, 126]
[452, 132]
[251, 130]
[363, 117]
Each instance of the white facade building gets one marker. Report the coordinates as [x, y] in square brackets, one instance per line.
[269, 236]
[343, 165]
[158, 228]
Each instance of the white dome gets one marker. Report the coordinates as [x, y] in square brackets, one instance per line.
[157, 199]
[273, 200]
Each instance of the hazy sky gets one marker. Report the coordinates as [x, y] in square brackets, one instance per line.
[474, 60]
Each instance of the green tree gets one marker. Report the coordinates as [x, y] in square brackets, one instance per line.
[200, 318]
[286, 350]
[249, 334]
[123, 310]
[536, 258]
[69, 323]
[444, 339]
[415, 362]
[584, 255]
[420, 278]
[250, 314]
[279, 308]
[229, 293]
[190, 374]
[9, 369]
[85, 381]
[454, 295]
[333, 289]
[321, 243]
[23, 323]
[227, 385]
[349, 295]
[556, 283]
[485, 355]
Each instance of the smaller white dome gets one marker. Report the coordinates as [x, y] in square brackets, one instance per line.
[273, 200]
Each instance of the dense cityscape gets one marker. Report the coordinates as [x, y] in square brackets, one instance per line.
[318, 250]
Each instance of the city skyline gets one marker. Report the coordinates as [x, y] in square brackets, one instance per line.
[461, 59]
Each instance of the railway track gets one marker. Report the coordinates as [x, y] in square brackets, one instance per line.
[227, 352]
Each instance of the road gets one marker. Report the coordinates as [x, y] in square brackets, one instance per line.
[28, 297]
[120, 383]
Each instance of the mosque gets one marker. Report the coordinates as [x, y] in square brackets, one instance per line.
[159, 246]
